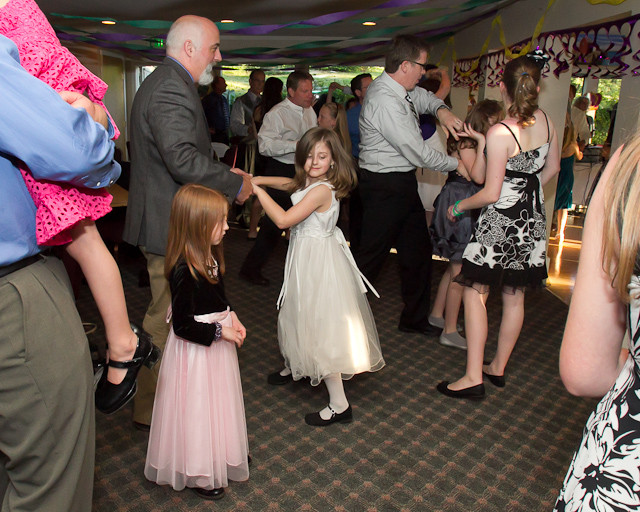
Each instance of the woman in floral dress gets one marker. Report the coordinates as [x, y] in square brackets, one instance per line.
[605, 471]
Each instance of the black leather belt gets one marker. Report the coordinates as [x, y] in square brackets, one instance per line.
[12, 267]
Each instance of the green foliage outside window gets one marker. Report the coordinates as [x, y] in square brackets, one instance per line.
[610, 90]
[237, 78]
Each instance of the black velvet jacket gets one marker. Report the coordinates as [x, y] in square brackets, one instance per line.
[190, 297]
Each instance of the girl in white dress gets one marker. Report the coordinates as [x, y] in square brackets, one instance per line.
[326, 329]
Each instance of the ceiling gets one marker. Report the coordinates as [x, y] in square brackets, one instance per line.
[271, 32]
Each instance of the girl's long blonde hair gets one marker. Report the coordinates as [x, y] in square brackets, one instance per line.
[338, 113]
[195, 212]
[621, 233]
[341, 174]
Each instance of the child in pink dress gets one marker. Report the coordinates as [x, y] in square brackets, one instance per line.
[198, 435]
[66, 214]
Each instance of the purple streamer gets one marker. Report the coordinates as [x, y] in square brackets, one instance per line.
[103, 36]
[327, 19]
[258, 30]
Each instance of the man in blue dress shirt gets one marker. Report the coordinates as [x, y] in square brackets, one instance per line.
[47, 433]
[359, 86]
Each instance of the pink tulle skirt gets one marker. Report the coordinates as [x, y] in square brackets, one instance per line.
[198, 432]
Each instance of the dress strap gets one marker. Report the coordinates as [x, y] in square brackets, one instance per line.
[514, 135]
[317, 183]
[548, 127]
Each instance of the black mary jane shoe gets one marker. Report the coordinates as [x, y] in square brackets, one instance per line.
[275, 379]
[470, 393]
[112, 397]
[426, 330]
[210, 494]
[254, 278]
[315, 420]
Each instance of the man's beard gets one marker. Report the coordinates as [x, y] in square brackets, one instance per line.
[206, 76]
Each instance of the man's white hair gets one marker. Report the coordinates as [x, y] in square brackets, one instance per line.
[186, 28]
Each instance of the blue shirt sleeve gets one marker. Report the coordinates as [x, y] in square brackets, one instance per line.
[56, 141]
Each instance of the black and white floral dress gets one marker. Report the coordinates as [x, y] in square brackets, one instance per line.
[605, 471]
[507, 248]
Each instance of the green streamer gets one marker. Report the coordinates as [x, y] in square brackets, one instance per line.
[382, 32]
[427, 11]
[251, 51]
[314, 44]
[233, 26]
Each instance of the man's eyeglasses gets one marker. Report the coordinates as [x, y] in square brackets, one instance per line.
[424, 65]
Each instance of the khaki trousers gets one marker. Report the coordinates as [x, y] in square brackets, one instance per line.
[47, 430]
[155, 323]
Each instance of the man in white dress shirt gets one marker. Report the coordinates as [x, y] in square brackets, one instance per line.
[579, 120]
[391, 148]
[282, 128]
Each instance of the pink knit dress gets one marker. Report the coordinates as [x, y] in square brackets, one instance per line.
[59, 206]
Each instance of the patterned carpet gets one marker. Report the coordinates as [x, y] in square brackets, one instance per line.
[408, 449]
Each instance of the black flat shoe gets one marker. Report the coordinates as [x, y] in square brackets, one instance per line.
[257, 279]
[209, 494]
[112, 397]
[427, 330]
[275, 379]
[471, 393]
[315, 420]
[496, 380]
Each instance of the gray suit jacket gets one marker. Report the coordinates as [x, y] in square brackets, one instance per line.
[170, 147]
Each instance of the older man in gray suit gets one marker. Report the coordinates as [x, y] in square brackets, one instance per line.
[170, 147]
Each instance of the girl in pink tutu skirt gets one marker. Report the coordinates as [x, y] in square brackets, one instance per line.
[198, 435]
[66, 215]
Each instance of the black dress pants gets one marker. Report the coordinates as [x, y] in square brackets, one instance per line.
[355, 215]
[269, 233]
[393, 216]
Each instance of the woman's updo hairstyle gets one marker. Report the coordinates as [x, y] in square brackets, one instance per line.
[521, 78]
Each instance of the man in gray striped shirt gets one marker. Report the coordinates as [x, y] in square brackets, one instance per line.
[391, 147]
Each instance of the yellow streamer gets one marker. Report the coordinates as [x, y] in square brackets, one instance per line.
[527, 48]
[610, 2]
[497, 22]
[484, 49]
[446, 49]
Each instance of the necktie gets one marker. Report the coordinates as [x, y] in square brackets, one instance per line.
[225, 109]
[413, 108]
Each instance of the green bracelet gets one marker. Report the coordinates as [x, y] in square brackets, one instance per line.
[455, 211]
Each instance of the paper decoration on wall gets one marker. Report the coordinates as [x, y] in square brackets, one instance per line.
[609, 50]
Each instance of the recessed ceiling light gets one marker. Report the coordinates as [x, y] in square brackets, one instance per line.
[227, 21]
[108, 22]
[369, 23]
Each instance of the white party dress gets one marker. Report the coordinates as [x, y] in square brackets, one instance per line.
[325, 325]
